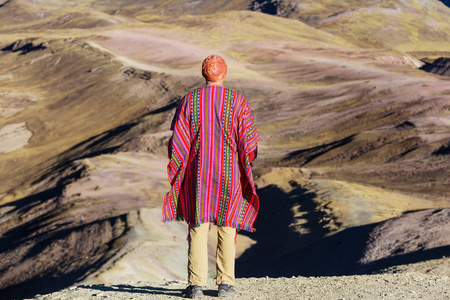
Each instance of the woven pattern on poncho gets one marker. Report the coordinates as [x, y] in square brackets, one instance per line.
[214, 136]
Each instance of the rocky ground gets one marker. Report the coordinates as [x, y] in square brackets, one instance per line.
[392, 286]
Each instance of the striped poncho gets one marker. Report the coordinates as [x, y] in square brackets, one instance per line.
[214, 140]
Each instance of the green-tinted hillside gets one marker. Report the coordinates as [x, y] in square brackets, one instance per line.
[410, 25]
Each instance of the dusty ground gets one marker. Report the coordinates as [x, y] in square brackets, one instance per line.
[393, 286]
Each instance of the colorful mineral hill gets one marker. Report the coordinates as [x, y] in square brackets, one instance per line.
[354, 136]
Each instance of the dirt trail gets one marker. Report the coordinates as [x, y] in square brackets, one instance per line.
[389, 286]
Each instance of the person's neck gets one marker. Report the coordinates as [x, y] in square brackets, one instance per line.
[218, 83]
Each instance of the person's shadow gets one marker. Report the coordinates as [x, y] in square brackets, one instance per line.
[152, 290]
[275, 237]
[122, 288]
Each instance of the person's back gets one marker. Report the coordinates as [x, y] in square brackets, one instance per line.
[211, 188]
[214, 141]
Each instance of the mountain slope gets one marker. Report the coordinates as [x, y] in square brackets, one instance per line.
[350, 135]
[410, 25]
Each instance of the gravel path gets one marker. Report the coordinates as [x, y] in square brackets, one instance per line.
[386, 286]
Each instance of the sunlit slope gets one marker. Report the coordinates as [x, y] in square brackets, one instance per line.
[242, 26]
[87, 89]
[347, 133]
[146, 10]
[411, 26]
[142, 8]
[360, 115]
[30, 16]
[289, 56]
[221, 28]
[280, 63]
[404, 25]
[364, 115]
[20, 12]
[70, 92]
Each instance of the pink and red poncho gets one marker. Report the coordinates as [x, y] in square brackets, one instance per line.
[213, 143]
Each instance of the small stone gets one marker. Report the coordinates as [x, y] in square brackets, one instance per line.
[173, 282]
[72, 288]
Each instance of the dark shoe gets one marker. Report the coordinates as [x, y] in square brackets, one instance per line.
[226, 290]
[193, 291]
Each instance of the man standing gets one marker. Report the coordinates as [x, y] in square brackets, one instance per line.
[213, 144]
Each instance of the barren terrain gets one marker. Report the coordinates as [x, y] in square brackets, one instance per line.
[388, 286]
[353, 168]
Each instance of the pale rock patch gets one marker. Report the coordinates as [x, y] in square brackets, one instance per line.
[6, 77]
[14, 136]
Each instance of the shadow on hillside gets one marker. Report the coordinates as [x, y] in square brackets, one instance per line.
[274, 235]
[111, 140]
[407, 258]
[51, 245]
[44, 198]
[107, 142]
[335, 255]
[58, 257]
[267, 7]
[304, 156]
[339, 255]
[446, 2]
[24, 46]
[440, 66]
[44, 223]
[280, 252]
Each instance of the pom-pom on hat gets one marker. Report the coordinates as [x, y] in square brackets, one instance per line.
[214, 68]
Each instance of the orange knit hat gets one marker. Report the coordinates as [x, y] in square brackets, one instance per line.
[214, 68]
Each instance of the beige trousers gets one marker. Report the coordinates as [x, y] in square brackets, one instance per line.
[198, 255]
